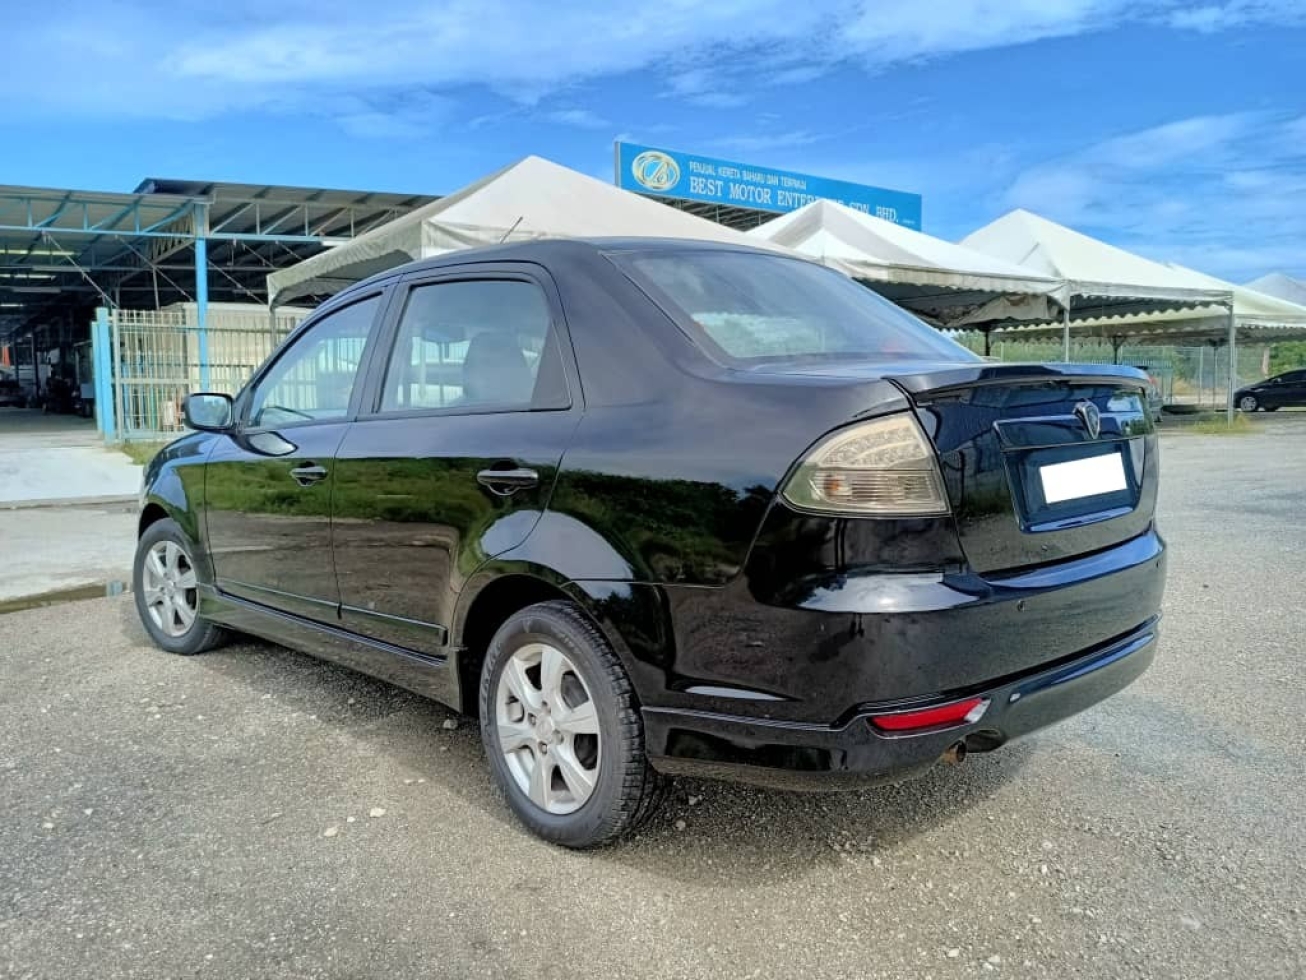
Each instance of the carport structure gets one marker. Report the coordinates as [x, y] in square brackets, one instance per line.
[64, 253]
[1107, 289]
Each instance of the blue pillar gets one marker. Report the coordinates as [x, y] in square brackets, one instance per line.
[102, 357]
[202, 307]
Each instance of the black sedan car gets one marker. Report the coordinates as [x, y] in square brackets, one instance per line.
[652, 508]
[1282, 391]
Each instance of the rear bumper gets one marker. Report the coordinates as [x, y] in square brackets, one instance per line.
[855, 753]
[784, 694]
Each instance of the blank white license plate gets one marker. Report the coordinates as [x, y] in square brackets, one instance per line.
[1082, 478]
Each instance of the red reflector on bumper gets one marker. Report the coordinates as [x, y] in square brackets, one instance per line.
[956, 713]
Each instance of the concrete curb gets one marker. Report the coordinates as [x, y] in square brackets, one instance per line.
[122, 498]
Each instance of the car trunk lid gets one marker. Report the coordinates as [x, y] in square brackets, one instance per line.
[1041, 463]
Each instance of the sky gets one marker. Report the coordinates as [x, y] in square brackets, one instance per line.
[1174, 129]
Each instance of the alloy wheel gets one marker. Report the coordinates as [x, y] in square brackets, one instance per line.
[170, 588]
[1247, 403]
[548, 728]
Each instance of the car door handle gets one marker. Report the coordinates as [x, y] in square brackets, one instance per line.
[504, 482]
[308, 474]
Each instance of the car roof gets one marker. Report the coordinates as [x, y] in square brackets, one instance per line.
[543, 249]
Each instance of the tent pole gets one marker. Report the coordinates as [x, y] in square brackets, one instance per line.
[1233, 364]
[1065, 331]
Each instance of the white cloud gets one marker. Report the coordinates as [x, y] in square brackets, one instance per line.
[1204, 20]
[412, 116]
[1213, 17]
[905, 30]
[581, 118]
[766, 141]
[796, 76]
[125, 58]
[1211, 192]
[711, 89]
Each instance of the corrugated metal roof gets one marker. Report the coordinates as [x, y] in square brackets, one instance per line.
[65, 251]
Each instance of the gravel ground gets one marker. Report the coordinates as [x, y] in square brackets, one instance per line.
[253, 813]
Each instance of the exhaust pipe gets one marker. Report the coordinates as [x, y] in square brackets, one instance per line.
[955, 754]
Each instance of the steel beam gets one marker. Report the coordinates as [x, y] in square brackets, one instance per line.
[93, 230]
[233, 236]
[54, 216]
[111, 224]
[202, 290]
[182, 212]
[229, 218]
[102, 356]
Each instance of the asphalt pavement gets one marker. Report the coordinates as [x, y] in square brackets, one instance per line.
[254, 813]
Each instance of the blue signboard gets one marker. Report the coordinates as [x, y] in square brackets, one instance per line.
[690, 177]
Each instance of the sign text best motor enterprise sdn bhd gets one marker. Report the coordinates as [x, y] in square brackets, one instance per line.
[690, 177]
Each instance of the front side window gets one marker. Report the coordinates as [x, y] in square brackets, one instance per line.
[315, 378]
[750, 306]
[483, 343]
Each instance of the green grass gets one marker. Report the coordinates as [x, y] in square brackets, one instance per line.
[1240, 426]
[142, 452]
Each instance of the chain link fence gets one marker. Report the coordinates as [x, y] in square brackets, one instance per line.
[158, 357]
[1196, 375]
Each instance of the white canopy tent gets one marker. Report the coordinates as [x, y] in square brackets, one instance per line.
[1258, 318]
[1280, 286]
[533, 198]
[944, 283]
[1103, 281]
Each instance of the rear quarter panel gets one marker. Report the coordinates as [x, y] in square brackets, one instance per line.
[677, 459]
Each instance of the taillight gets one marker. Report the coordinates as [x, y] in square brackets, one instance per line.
[959, 712]
[882, 468]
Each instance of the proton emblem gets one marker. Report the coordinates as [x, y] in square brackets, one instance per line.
[1087, 413]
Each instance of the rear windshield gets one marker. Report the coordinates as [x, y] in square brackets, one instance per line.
[753, 307]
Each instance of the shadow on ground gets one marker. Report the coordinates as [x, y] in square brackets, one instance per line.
[737, 827]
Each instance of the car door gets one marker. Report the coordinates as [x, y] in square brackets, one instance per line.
[268, 487]
[455, 460]
[1294, 389]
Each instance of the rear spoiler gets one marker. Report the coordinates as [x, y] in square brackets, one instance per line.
[979, 375]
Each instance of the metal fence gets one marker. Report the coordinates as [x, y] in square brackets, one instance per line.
[156, 358]
[1196, 375]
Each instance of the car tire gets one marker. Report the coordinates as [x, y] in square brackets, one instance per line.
[598, 784]
[1248, 403]
[166, 589]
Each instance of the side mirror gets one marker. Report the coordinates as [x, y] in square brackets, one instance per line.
[209, 412]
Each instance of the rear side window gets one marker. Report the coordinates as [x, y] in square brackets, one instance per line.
[750, 306]
[477, 343]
